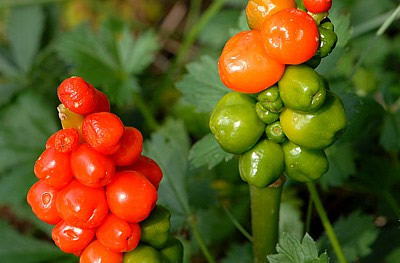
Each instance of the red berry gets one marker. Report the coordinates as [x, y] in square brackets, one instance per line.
[131, 196]
[53, 167]
[290, 36]
[103, 104]
[118, 235]
[82, 206]
[131, 147]
[77, 95]
[90, 167]
[66, 140]
[103, 131]
[97, 253]
[42, 199]
[71, 239]
[318, 6]
[148, 168]
[51, 141]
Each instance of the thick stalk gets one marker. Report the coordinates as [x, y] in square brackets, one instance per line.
[265, 204]
[326, 223]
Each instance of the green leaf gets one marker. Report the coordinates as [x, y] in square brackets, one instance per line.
[207, 152]
[341, 158]
[239, 253]
[25, 127]
[169, 147]
[137, 54]
[290, 220]
[201, 86]
[393, 257]
[24, 32]
[342, 27]
[241, 24]
[15, 247]
[390, 135]
[7, 91]
[356, 233]
[290, 250]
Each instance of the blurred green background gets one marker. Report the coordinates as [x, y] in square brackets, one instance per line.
[156, 59]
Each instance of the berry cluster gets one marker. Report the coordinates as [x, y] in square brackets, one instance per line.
[294, 115]
[94, 184]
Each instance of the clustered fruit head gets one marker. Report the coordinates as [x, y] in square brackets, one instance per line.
[94, 184]
[294, 115]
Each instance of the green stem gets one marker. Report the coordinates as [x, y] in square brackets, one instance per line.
[372, 24]
[392, 202]
[265, 204]
[200, 242]
[146, 112]
[193, 15]
[237, 224]
[309, 215]
[326, 223]
[13, 3]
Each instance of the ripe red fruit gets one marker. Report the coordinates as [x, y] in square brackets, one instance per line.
[245, 67]
[290, 36]
[66, 140]
[103, 104]
[90, 167]
[118, 235]
[318, 6]
[71, 239]
[53, 167]
[131, 196]
[149, 168]
[131, 147]
[51, 141]
[77, 95]
[97, 253]
[82, 206]
[42, 199]
[103, 131]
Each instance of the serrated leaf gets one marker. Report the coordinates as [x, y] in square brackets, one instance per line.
[201, 86]
[356, 234]
[137, 54]
[169, 147]
[239, 253]
[207, 152]
[15, 247]
[290, 250]
[25, 28]
[390, 135]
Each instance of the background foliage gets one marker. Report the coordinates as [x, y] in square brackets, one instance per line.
[157, 62]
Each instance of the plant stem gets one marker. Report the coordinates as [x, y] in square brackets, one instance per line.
[326, 223]
[237, 224]
[200, 242]
[309, 214]
[265, 204]
[146, 112]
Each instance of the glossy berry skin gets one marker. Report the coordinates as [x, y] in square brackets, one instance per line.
[71, 239]
[131, 196]
[149, 168]
[82, 206]
[103, 104]
[51, 141]
[130, 149]
[66, 140]
[290, 36]
[103, 131]
[258, 10]
[245, 67]
[42, 199]
[53, 167]
[90, 167]
[77, 95]
[118, 235]
[318, 6]
[97, 253]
